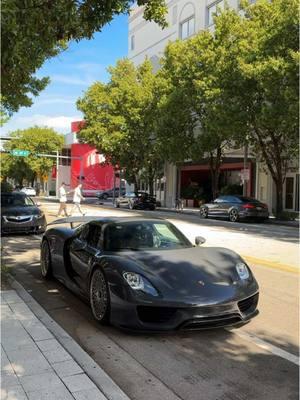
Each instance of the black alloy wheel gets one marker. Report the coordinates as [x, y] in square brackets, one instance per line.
[99, 297]
[233, 215]
[203, 212]
[46, 267]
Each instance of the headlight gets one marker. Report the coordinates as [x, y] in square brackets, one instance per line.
[37, 216]
[137, 282]
[242, 270]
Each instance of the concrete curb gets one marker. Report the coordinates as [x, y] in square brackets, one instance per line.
[100, 378]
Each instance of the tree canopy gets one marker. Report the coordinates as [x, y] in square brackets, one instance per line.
[121, 118]
[37, 140]
[33, 31]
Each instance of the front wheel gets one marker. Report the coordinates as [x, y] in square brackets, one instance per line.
[46, 267]
[233, 215]
[99, 297]
[203, 212]
[130, 205]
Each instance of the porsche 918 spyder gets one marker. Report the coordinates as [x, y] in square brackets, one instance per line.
[141, 273]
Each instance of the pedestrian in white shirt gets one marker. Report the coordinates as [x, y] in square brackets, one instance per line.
[77, 199]
[62, 194]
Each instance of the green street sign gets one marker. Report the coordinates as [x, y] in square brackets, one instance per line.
[20, 153]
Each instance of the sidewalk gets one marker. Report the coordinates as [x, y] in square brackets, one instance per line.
[35, 366]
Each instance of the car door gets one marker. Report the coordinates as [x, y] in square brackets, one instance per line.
[83, 249]
[215, 208]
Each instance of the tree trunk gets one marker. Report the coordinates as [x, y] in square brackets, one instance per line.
[215, 163]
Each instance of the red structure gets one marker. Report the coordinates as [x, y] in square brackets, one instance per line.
[90, 165]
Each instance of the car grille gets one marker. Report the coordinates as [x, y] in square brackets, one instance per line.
[15, 220]
[211, 322]
[155, 314]
[248, 304]
[10, 229]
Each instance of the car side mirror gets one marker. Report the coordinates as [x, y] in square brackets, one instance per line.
[199, 240]
[38, 204]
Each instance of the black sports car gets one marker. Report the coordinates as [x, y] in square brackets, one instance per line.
[141, 273]
[136, 201]
[19, 213]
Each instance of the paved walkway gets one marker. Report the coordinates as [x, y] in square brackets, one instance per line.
[34, 365]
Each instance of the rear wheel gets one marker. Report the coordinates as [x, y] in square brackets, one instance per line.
[203, 212]
[105, 196]
[99, 297]
[116, 204]
[46, 267]
[233, 215]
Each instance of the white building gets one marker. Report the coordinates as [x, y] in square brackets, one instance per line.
[147, 39]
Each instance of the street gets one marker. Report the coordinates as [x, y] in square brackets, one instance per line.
[257, 361]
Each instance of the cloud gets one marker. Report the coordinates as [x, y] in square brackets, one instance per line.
[60, 123]
[55, 100]
[70, 80]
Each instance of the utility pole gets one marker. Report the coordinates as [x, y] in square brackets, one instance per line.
[245, 167]
[57, 169]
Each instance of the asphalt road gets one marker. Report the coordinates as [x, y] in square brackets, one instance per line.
[256, 361]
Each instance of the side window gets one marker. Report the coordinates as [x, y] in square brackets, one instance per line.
[94, 235]
[219, 200]
[84, 230]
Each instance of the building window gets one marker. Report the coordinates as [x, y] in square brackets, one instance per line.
[213, 10]
[66, 153]
[132, 42]
[187, 28]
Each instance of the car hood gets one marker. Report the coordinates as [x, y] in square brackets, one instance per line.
[14, 211]
[203, 273]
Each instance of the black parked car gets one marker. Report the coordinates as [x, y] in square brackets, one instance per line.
[19, 213]
[105, 194]
[235, 208]
[144, 273]
[136, 200]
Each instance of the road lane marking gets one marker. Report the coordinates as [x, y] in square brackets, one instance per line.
[267, 346]
[271, 264]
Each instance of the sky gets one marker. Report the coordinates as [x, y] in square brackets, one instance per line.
[71, 73]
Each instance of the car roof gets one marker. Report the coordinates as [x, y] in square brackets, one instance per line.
[13, 194]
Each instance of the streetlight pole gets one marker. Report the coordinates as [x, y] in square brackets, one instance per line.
[245, 167]
[57, 173]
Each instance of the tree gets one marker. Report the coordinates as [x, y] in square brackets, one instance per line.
[37, 140]
[265, 83]
[34, 31]
[197, 122]
[120, 119]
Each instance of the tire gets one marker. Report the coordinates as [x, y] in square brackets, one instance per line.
[233, 215]
[116, 204]
[46, 267]
[105, 197]
[130, 205]
[203, 212]
[99, 297]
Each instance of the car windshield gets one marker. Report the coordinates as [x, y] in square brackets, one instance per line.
[12, 200]
[145, 235]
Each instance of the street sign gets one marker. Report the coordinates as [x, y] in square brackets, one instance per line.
[245, 174]
[20, 153]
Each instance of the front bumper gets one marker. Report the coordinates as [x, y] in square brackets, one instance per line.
[165, 317]
[30, 224]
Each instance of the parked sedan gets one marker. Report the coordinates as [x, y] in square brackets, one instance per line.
[105, 194]
[136, 200]
[143, 273]
[29, 191]
[235, 208]
[19, 214]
